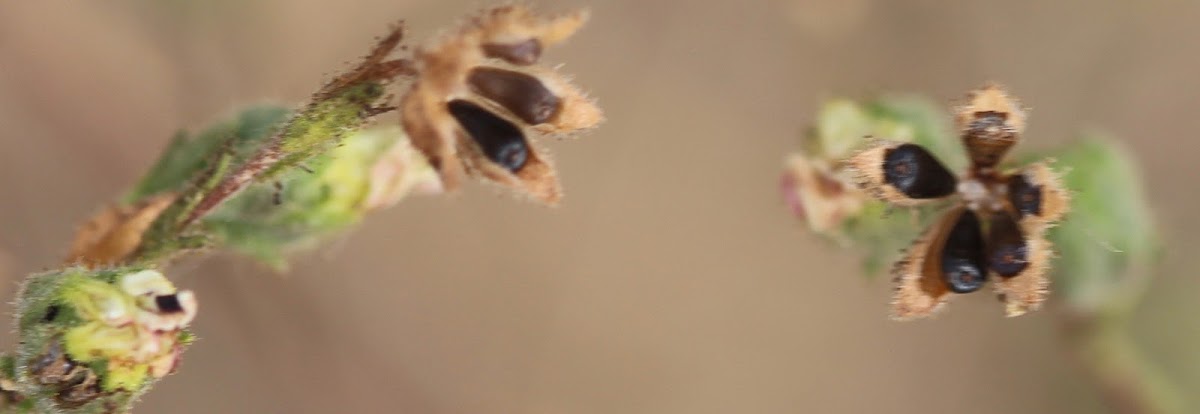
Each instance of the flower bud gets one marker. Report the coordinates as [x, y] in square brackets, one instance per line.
[96, 338]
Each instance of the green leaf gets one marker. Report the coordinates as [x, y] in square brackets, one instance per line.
[1109, 236]
[186, 157]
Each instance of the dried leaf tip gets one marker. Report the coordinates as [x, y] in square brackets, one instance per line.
[480, 98]
[373, 67]
[112, 235]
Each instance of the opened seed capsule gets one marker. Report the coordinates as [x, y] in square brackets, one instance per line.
[963, 255]
[916, 173]
[1008, 253]
[501, 141]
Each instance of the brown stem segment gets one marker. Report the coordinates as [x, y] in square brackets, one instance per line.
[373, 69]
[236, 182]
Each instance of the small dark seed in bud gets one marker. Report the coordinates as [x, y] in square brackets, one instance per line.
[916, 173]
[989, 124]
[501, 141]
[962, 255]
[1008, 253]
[522, 94]
[988, 137]
[523, 53]
[1024, 196]
[51, 313]
[168, 304]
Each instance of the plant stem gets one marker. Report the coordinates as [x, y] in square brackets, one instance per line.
[1128, 381]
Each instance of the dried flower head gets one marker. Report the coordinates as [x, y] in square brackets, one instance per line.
[479, 97]
[997, 227]
[818, 195]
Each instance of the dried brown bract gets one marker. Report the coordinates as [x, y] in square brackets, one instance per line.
[818, 195]
[997, 227]
[112, 235]
[479, 98]
[75, 384]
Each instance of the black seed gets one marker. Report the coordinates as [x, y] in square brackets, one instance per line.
[962, 255]
[501, 141]
[1008, 254]
[523, 53]
[51, 313]
[1024, 196]
[520, 93]
[916, 173]
[168, 303]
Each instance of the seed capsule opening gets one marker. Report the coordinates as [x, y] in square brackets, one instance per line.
[962, 255]
[1025, 197]
[523, 53]
[988, 137]
[51, 313]
[989, 124]
[917, 173]
[1008, 253]
[522, 94]
[501, 141]
[168, 303]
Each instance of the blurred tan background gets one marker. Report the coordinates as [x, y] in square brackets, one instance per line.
[672, 279]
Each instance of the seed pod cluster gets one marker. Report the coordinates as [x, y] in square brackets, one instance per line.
[996, 227]
[479, 97]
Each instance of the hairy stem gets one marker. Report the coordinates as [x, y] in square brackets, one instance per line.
[1128, 381]
[343, 105]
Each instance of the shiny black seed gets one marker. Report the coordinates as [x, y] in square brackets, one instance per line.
[524, 95]
[51, 313]
[916, 173]
[168, 303]
[523, 53]
[501, 141]
[1009, 260]
[963, 256]
[1008, 254]
[1024, 196]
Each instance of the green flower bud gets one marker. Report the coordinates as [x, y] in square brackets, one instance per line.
[94, 340]
[841, 126]
[373, 169]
